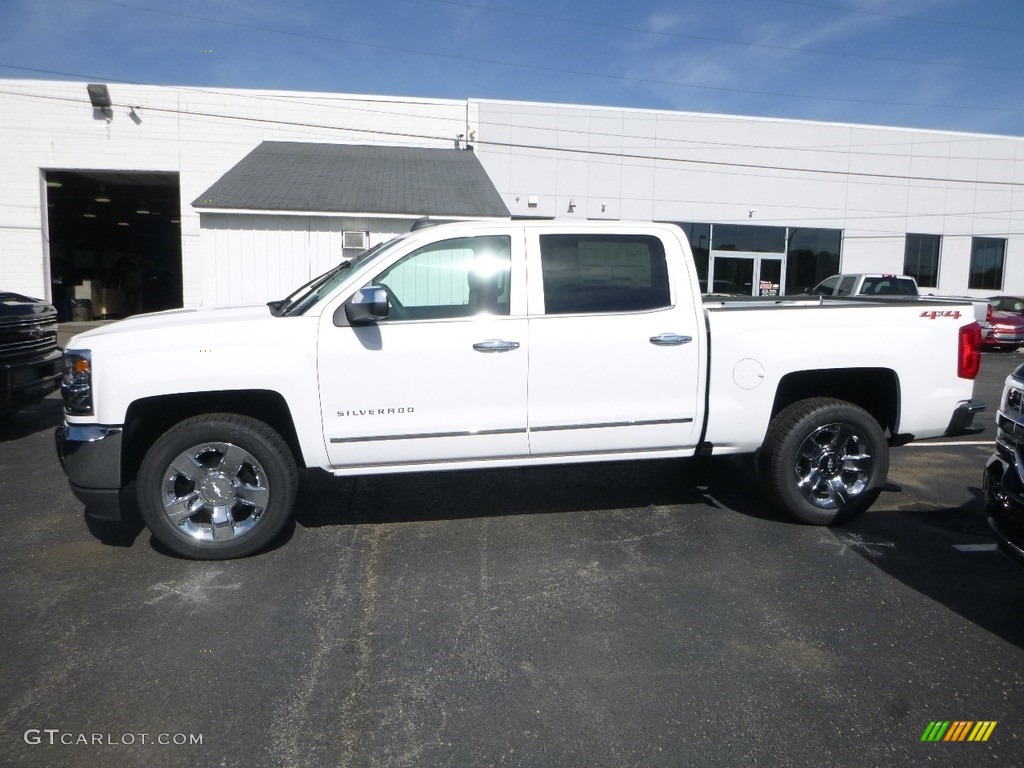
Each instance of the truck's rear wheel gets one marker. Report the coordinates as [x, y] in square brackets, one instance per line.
[825, 460]
[217, 486]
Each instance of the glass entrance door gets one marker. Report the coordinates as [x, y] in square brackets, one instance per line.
[747, 275]
[733, 275]
[769, 276]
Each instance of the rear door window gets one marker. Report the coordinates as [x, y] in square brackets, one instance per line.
[846, 286]
[603, 273]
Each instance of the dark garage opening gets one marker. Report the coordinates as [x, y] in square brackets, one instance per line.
[115, 242]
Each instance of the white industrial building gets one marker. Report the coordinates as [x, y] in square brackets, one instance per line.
[130, 198]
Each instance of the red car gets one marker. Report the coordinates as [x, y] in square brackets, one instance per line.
[1014, 304]
[1007, 330]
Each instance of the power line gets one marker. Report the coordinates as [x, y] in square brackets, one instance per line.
[315, 131]
[554, 70]
[899, 17]
[838, 175]
[316, 99]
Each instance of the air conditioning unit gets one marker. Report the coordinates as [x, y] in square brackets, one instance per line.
[354, 240]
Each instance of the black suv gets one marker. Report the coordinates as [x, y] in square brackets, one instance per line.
[30, 361]
[1004, 473]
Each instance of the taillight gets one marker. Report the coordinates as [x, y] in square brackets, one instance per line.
[968, 361]
[988, 314]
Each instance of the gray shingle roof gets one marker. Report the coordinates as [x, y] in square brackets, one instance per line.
[347, 178]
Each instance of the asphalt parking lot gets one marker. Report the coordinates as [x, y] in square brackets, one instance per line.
[642, 614]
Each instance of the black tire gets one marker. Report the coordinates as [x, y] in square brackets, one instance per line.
[217, 486]
[825, 460]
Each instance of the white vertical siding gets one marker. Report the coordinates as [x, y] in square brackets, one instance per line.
[253, 258]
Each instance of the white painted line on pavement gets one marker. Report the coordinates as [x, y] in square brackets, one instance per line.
[950, 443]
[976, 547]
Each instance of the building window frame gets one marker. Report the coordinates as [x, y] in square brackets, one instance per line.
[922, 256]
[988, 263]
[812, 254]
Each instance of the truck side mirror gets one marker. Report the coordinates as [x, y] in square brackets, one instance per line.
[367, 307]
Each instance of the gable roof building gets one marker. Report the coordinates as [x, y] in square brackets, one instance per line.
[297, 177]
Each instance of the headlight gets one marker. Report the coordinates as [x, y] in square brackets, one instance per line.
[76, 386]
[1014, 400]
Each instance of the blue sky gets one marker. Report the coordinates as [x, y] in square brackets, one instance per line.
[943, 64]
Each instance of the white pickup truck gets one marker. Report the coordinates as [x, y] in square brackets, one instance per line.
[497, 344]
[878, 284]
[861, 284]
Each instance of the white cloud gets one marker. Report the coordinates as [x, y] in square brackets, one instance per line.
[783, 51]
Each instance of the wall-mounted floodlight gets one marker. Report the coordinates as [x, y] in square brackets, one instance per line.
[99, 96]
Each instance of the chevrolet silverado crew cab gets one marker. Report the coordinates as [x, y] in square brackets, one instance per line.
[30, 362]
[497, 344]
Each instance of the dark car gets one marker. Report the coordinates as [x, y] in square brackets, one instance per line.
[1004, 473]
[1006, 330]
[1013, 304]
[30, 362]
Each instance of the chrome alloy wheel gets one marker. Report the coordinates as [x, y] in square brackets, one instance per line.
[833, 465]
[214, 491]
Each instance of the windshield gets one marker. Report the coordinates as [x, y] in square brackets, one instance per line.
[306, 296]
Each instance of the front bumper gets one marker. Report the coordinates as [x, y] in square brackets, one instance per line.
[91, 457]
[1004, 500]
[27, 381]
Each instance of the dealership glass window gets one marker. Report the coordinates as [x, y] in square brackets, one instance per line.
[921, 259]
[603, 273]
[749, 239]
[700, 243]
[811, 256]
[987, 257]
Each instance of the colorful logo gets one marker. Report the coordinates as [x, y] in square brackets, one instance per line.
[958, 730]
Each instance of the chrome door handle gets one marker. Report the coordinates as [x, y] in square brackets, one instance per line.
[670, 340]
[496, 345]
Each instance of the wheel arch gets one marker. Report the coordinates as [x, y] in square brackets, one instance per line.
[876, 390]
[147, 419]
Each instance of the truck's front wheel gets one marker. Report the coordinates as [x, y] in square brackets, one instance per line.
[825, 460]
[217, 486]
